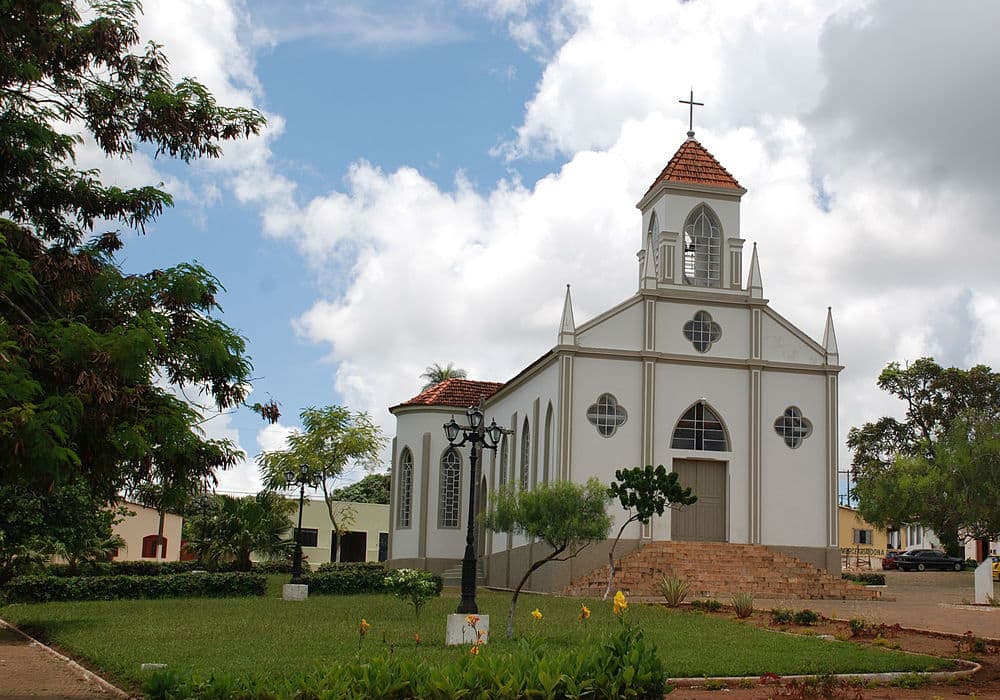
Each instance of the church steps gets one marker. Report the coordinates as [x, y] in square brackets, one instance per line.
[719, 570]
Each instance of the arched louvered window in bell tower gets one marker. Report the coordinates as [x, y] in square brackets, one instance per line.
[703, 248]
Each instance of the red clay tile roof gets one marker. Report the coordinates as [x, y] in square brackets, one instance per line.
[454, 392]
[692, 163]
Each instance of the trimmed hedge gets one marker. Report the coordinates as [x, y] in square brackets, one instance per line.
[869, 579]
[348, 578]
[157, 568]
[38, 589]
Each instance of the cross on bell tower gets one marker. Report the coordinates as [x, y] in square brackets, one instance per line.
[691, 104]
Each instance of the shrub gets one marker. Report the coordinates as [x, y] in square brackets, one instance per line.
[412, 585]
[370, 566]
[37, 589]
[708, 605]
[675, 590]
[146, 568]
[622, 665]
[743, 605]
[805, 617]
[346, 581]
[782, 616]
[867, 578]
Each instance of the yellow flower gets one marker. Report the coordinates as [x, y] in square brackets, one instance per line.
[584, 613]
[416, 637]
[620, 603]
[537, 614]
[363, 627]
[472, 620]
[474, 650]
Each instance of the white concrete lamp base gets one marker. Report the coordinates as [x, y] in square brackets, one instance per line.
[294, 591]
[460, 631]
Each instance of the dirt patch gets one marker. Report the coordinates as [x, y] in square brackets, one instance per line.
[29, 671]
[984, 684]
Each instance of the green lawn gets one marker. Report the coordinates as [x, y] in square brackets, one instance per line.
[269, 638]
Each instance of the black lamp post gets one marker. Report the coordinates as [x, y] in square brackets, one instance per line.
[479, 437]
[302, 479]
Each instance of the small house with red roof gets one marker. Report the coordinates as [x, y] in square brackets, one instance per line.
[695, 371]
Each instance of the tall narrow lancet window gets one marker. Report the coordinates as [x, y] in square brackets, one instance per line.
[525, 452]
[502, 475]
[703, 248]
[449, 503]
[700, 429]
[654, 230]
[405, 515]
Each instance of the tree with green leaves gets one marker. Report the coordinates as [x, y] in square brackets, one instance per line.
[565, 516]
[644, 492]
[258, 524]
[373, 488]
[933, 466]
[92, 358]
[435, 374]
[332, 438]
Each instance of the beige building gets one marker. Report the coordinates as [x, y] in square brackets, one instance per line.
[366, 539]
[139, 532]
[862, 545]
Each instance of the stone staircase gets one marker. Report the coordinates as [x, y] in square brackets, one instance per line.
[716, 569]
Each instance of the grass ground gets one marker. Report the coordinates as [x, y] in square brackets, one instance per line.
[270, 638]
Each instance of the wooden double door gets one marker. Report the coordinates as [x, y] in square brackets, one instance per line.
[705, 520]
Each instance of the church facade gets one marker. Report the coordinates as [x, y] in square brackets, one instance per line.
[695, 371]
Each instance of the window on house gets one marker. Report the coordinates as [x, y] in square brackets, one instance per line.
[310, 536]
[383, 546]
[702, 248]
[893, 539]
[149, 547]
[863, 536]
[606, 415]
[449, 505]
[793, 427]
[914, 535]
[702, 331]
[503, 461]
[525, 452]
[700, 429]
[404, 516]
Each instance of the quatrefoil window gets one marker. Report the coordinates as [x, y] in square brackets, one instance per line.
[793, 427]
[606, 415]
[702, 331]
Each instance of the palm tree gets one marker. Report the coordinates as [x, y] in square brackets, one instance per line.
[253, 524]
[435, 374]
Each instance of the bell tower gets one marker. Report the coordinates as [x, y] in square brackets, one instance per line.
[691, 224]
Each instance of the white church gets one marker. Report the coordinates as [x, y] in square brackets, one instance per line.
[695, 371]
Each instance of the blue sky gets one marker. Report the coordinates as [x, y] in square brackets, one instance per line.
[434, 174]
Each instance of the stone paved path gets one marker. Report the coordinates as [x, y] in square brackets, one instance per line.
[929, 600]
[30, 671]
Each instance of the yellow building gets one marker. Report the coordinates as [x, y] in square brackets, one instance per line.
[862, 545]
[139, 532]
[366, 539]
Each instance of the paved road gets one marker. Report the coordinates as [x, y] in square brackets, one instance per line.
[29, 671]
[927, 600]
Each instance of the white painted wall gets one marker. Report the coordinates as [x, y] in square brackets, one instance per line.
[734, 323]
[794, 482]
[621, 331]
[780, 345]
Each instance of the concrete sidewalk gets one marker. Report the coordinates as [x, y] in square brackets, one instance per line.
[30, 670]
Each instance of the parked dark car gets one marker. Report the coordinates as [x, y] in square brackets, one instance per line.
[923, 559]
[889, 560]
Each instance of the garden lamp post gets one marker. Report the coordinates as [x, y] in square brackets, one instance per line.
[302, 479]
[478, 437]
